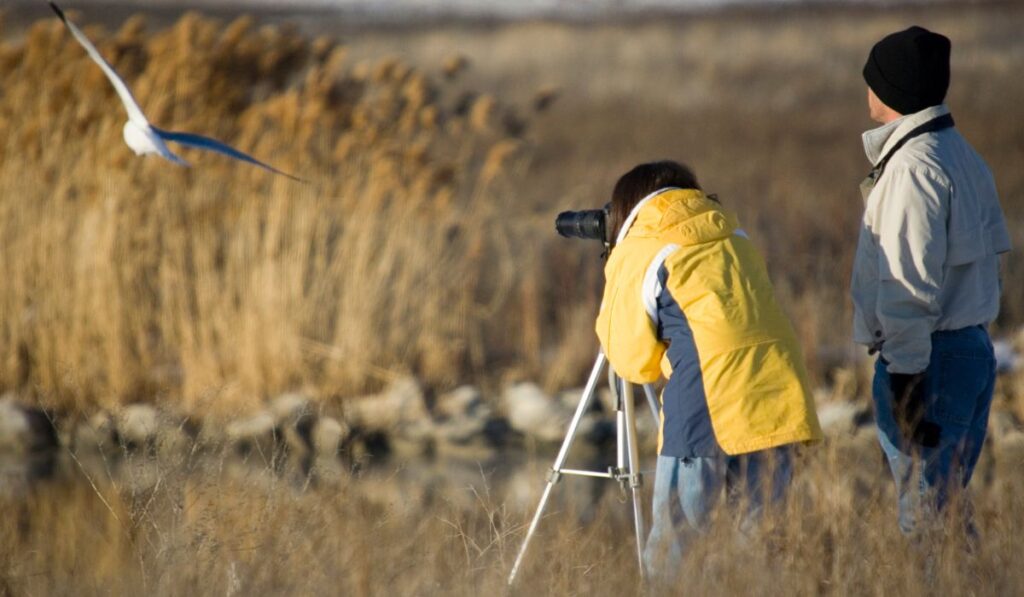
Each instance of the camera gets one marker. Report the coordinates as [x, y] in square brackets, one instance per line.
[588, 223]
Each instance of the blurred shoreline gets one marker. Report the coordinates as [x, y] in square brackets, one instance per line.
[318, 16]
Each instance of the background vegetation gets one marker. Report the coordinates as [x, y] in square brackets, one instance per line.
[202, 527]
[425, 243]
[439, 156]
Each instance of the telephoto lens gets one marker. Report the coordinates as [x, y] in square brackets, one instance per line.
[589, 223]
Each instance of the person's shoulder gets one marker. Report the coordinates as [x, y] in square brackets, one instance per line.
[926, 156]
[943, 155]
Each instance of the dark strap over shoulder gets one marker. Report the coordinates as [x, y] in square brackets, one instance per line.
[936, 124]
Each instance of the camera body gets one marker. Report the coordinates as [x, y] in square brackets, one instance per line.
[587, 223]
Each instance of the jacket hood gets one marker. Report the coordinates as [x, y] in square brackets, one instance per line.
[688, 298]
[682, 216]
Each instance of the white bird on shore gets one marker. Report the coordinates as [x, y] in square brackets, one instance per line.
[141, 136]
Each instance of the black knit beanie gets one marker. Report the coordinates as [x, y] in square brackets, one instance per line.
[909, 70]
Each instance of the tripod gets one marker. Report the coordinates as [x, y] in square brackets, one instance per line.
[627, 468]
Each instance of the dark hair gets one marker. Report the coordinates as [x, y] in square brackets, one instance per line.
[640, 182]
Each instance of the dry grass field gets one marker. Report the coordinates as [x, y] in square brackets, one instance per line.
[425, 246]
[425, 243]
[196, 527]
[126, 279]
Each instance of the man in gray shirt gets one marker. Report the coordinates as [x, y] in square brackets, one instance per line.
[926, 277]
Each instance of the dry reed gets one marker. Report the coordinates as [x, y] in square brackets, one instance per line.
[426, 246]
[224, 527]
[129, 279]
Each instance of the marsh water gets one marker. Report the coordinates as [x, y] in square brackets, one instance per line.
[512, 478]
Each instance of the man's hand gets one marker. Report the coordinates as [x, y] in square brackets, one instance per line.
[909, 403]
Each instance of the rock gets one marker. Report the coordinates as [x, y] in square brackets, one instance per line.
[14, 428]
[461, 402]
[598, 429]
[297, 436]
[462, 417]
[399, 413]
[138, 425]
[210, 433]
[396, 420]
[258, 432]
[294, 417]
[842, 417]
[43, 435]
[327, 437]
[462, 430]
[598, 424]
[535, 414]
[315, 434]
[570, 399]
[604, 401]
[25, 430]
[291, 406]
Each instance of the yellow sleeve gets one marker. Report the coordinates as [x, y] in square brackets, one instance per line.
[627, 334]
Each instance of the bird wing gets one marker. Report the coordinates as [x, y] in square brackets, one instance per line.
[169, 155]
[134, 111]
[201, 142]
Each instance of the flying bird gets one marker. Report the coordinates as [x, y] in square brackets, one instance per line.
[141, 136]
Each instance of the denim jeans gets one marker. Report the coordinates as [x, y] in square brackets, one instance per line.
[959, 382]
[686, 490]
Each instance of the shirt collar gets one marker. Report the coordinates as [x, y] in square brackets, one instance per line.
[878, 141]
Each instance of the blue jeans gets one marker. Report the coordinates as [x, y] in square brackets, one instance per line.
[959, 381]
[686, 490]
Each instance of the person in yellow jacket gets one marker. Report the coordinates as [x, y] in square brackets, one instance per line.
[687, 297]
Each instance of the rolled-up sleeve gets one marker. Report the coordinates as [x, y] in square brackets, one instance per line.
[911, 231]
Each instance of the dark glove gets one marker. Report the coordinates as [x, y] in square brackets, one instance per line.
[909, 403]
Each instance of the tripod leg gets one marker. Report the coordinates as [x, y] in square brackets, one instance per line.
[635, 478]
[652, 401]
[563, 453]
[621, 445]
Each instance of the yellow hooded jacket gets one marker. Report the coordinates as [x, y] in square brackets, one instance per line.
[687, 296]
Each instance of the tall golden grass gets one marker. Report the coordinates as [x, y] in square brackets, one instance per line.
[425, 244]
[208, 288]
[222, 528]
